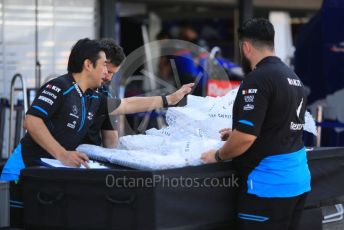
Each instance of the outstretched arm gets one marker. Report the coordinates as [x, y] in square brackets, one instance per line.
[143, 104]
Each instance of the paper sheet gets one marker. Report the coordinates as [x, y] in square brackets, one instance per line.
[57, 164]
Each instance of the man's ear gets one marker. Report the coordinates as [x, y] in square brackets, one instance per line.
[88, 65]
[247, 48]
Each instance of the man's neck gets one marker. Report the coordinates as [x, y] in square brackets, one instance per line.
[81, 80]
[260, 56]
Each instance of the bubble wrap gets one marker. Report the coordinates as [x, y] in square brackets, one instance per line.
[310, 124]
[191, 130]
[137, 159]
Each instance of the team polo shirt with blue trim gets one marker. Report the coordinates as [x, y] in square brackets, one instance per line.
[271, 105]
[105, 102]
[67, 113]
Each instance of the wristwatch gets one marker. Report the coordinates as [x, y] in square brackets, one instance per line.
[164, 101]
[217, 156]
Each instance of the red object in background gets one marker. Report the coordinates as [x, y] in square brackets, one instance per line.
[218, 88]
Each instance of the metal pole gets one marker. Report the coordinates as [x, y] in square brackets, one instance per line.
[152, 81]
[3, 103]
[320, 111]
[236, 37]
[245, 10]
[12, 105]
[19, 123]
[210, 67]
[108, 18]
[148, 55]
[37, 63]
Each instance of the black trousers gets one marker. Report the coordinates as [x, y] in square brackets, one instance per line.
[269, 213]
[16, 205]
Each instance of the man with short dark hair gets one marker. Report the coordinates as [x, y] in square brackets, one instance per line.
[266, 142]
[103, 130]
[62, 112]
[56, 121]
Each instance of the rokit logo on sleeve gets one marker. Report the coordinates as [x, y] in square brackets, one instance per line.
[53, 87]
[249, 91]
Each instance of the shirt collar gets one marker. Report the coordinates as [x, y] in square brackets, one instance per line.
[268, 59]
[77, 88]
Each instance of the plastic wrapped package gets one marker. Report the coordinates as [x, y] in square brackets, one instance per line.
[173, 155]
[137, 159]
[146, 142]
[310, 124]
[191, 130]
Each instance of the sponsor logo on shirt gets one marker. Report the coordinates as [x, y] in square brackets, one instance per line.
[90, 115]
[75, 109]
[249, 91]
[49, 94]
[45, 99]
[249, 98]
[78, 90]
[296, 126]
[220, 115]
[72, 126]
[73, 115]
[248, 107]
[53, 87]
[294, 82]
[299, 109]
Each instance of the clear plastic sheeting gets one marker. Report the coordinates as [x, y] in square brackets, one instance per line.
[155, 157]
[333, 107]
[190, 150]
[202, 117]
[192, 130]
[310, 124]
[137, 159]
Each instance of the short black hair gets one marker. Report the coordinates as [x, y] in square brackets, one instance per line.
[259, 30]
[114, 53]
[84, 49]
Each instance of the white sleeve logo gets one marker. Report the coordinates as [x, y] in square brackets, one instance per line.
[299, 109]
[53, 87]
